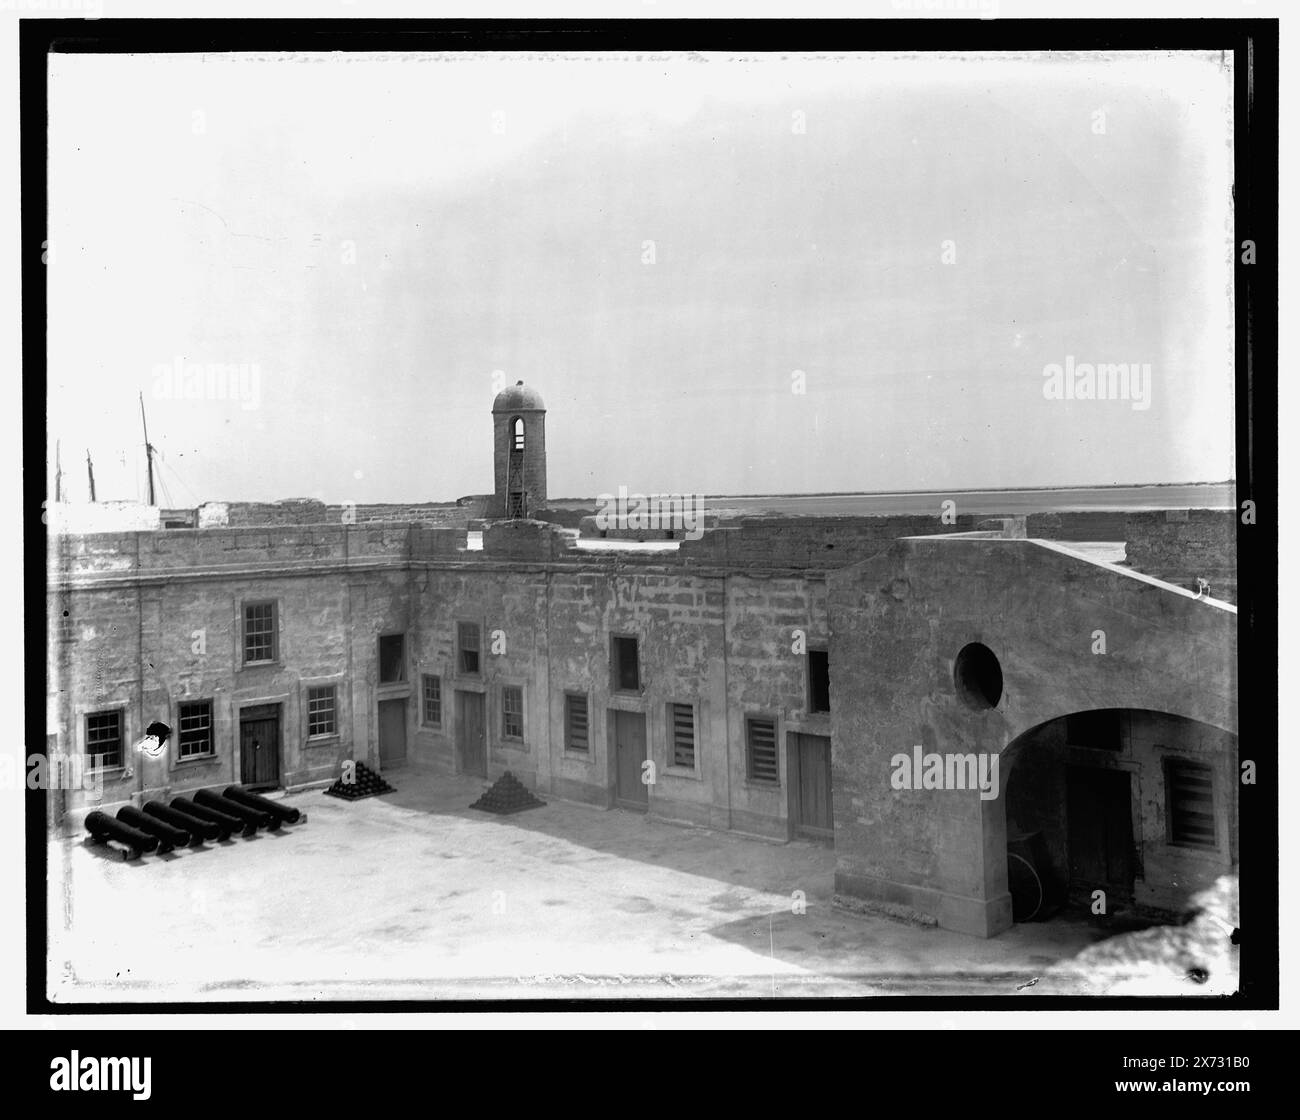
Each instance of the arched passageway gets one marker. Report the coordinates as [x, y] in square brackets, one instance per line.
[1118, 812]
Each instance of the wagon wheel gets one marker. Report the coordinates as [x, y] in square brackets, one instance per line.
[1025, 886]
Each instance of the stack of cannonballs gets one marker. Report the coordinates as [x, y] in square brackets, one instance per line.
[507, 795]
[365, 783]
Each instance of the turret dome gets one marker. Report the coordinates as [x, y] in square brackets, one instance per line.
[518, 398]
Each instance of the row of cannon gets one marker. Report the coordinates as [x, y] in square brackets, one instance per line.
[208, 816]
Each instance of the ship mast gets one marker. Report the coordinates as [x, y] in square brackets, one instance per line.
[148, 450]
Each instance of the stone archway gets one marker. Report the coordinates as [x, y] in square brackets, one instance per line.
[907, 629]
[1122, 809]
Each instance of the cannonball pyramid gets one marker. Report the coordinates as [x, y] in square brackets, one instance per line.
[365, 783]
[507, 795]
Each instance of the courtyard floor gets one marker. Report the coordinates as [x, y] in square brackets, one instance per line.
[412, 895]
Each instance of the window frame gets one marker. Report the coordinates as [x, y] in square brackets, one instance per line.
[334, 729]
[424, 700]
[88, 757]
[671, 720]
[461, 649]
[1080, 728]
[379, 658]
[506, 735]
[211, 752]
[250, 604]
[569, 696]
[767, 783]
[615, 664]
[808, 681]
[1179, 762]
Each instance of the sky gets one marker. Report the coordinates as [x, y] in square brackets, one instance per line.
[724, 274]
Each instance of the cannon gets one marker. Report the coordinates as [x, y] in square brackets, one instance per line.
[255, 817]
[103, 828]
[226, 823]
[284, 813]
[168, 837]
[198, 828]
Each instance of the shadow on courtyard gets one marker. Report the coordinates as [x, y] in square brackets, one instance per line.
[567, 827]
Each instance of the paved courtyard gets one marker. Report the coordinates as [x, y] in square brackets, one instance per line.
[413, 895]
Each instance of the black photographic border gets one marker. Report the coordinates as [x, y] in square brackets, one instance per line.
[1255, 43]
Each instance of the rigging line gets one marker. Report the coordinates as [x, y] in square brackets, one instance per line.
[166, 493]
[177, 476]
[160, 481]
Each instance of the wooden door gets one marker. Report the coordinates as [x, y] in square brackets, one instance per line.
[1100, 832]
[259, 746]
[630, 792]
[471, 733]
[812, 786]
[392, 733]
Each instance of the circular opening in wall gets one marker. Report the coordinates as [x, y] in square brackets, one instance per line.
[978, 677]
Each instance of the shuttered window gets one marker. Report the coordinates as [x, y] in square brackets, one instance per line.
[1189, 794]
[575, 722]
[760, 747]
[681, 725]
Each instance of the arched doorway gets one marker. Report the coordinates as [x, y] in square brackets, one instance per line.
[1119, 813]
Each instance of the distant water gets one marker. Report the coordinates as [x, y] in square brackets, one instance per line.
[1196, 496]
[1202, 495]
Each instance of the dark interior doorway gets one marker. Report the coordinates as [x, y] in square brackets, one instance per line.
[1100, 830]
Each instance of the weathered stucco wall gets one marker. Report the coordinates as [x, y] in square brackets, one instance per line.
[724, 627]
[155, 620]
[898, 622]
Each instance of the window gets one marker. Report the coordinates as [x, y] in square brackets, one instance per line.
[194, 739]
[392, 659]
[259, 632]
[512, 712]
[1189, 803]
[760, 749]
[819, 681]
[322, 710]
[467, 647]
[431, 692]
[1102, 730]
[681, 735]
[625, 669]
[575, 722]
[104, 739]
[519, 433]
